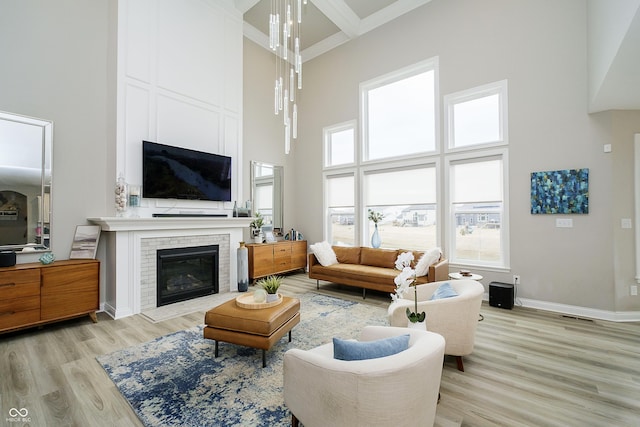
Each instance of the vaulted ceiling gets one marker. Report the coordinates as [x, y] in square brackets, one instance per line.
[327, 23]
[330, 23]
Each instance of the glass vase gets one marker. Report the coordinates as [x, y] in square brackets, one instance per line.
[375, 238]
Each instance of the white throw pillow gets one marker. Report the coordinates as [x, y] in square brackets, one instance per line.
[324, 252]
[428, 258]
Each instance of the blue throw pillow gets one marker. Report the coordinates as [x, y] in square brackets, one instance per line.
[444, 291]
[362, 350]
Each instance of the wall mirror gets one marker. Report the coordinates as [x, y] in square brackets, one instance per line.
[267, 193]
[25, 182]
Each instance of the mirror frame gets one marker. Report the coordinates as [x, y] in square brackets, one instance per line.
[278, 203]
[46, 178]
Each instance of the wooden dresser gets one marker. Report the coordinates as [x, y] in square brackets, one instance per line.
[266, 259]
[34, 294]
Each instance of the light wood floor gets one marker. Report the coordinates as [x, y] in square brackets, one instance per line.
[529, 368]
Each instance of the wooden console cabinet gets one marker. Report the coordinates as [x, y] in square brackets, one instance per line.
[266, 259]
[34, 294]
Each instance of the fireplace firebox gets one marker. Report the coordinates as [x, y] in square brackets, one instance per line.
[186, 273]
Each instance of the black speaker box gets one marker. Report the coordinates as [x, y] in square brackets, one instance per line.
[7, 258]
[501, 295]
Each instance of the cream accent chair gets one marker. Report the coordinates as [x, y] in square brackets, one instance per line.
[454, 318]
[397, 390]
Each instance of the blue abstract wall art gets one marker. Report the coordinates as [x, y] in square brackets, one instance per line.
[560, 192]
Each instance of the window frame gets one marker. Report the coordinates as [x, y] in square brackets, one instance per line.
[431, 64]
[397, 165]
[327, 132]
[449, 217]
[499, 88]
[343, 172]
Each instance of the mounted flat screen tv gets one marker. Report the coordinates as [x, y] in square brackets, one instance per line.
[179, 173]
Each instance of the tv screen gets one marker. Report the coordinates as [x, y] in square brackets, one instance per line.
[179, 173]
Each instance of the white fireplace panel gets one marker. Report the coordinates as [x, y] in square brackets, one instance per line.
[130, 242]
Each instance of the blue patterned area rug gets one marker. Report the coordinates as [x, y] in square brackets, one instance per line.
[174, 380]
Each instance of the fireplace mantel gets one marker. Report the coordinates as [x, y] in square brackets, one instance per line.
[123, 239]
[167, 223]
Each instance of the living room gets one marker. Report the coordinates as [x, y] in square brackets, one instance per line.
[63, 65]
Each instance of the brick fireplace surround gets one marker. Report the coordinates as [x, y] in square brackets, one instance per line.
[129, 269]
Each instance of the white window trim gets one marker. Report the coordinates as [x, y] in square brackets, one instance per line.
[326, 135]
[394, 76]
[450, 100]
[449, 214]
[390, 166]
[343, 172]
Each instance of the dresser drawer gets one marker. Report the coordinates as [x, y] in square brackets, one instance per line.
[18, 284]
[282, 251]
[19, 311]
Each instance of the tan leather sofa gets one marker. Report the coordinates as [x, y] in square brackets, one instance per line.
[370, 268]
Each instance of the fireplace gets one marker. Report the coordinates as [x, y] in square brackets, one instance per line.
[186, 273]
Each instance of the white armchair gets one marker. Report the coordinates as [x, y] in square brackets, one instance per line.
[401, 389]
[454, 318]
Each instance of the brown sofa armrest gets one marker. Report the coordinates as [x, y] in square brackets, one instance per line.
[312, 260]
[438, 271]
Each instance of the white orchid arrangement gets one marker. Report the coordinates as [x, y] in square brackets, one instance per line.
[405, 280]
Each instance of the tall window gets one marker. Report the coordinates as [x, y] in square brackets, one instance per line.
[407, 199]
[477, 116]
[340, 202]
[397, 168]
[478, 225]
[399, 112]
[339, 143]
[477, 211]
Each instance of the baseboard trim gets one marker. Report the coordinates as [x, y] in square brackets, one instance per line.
[574, 310]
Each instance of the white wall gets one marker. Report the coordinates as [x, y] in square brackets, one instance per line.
[180, 84]
[264, 131]
[55, 67]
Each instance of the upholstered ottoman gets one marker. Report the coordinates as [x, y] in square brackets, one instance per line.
[256, 328]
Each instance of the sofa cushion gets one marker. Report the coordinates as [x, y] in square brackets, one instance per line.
[347, 254]
[430, 257]
[324, 253]
[379, 257]
[444, 291]
[362, 350]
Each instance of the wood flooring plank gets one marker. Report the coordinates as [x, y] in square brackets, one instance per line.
[529, 367]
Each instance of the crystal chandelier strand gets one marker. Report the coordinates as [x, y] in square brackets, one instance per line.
[292, 89]
[285, 41]
[275, 98]
[295, 121]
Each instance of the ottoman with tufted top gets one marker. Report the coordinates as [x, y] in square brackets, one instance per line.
[256, 328]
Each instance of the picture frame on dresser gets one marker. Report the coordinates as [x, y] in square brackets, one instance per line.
[85, 242]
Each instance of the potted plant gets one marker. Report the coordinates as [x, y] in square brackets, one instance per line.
[271, 284]
[404, 281]
[256, 228]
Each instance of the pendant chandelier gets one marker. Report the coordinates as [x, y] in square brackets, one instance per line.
[284, 40]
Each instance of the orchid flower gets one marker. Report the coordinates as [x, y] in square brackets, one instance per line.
[404, 281]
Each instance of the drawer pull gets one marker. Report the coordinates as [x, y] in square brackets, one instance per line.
[6, 285]
[8, 313]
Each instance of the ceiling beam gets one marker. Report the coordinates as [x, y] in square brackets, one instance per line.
[341, 15]
[244, 5]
